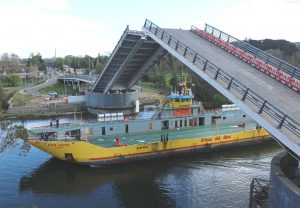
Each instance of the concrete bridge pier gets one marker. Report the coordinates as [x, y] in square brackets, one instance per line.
[284, 185]
[115, 101]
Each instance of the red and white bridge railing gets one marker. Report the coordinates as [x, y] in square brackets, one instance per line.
[283, 72]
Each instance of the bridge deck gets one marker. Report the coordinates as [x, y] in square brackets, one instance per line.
[280, 95]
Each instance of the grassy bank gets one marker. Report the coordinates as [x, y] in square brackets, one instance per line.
[60, 89]
[21, 99]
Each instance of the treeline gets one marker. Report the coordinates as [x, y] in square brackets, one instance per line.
[90, 64]
[169, 72]
[12, 63]
[285, 50]
[165, 74]
[283, 45]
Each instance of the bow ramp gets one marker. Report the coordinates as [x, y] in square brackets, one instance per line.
[266, 88]
[133, 56]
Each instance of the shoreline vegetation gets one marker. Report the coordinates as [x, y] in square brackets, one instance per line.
[17, 74]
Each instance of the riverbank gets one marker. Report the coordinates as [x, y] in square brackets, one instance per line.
[38, 108]
[45, 115]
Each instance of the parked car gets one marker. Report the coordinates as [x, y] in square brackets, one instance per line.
[53, 94]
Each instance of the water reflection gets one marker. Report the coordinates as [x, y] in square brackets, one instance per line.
[128, 182]
[181, 182]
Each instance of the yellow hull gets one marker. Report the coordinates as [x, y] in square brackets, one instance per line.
[85, 153]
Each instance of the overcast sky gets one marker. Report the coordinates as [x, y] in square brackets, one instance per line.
[79, 27]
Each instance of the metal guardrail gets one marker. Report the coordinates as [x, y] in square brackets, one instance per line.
[281, 118]
[281, 70]
[112, 55]
[259, 190]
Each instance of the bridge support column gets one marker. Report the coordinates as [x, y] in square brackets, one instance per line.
[115, 102]
[284, 184]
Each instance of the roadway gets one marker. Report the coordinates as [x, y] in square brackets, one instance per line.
[83, 78]
[280, 95]
[35, 90]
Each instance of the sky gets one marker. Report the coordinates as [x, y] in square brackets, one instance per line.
[91, 27]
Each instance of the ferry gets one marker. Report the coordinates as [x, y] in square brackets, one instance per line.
[179, 125]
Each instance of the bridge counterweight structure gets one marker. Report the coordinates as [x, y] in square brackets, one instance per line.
[132, 57]
[134, 53]
[265, 109]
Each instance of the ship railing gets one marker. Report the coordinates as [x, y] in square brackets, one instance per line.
[73, 137]
[65, 124]
[259, 190]
[179, 116]
[199, 103]
[213, 111]
[76, 123]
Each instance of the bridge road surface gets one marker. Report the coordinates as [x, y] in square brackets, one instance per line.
[276, 93]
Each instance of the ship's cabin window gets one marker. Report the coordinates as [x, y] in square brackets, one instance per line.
[165, 124]
[103, 130]
[194, 123]
[48, 136]
[126, 128]
[185, 122]
[111, 128]
[75, 134]
[180, 123]
[244, 116]
[150, 126]
[176, 124]
[177, 100]
[91, 132]
[224, 118]
[201, 121]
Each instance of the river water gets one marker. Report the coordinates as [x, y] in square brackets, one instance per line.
[215, 179]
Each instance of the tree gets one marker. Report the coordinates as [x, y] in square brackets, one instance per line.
[37, 61]
[100, 63]
[266, 44]
[11, 63]
[68, 60]
[5, 61]
[60, 63]
[174, 80]
[15, 62]
[2, 96]
[10, 136]
[12, 80]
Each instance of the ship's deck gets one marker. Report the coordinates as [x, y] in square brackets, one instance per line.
[174, 134]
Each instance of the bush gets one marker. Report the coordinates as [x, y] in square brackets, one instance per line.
[11, 80]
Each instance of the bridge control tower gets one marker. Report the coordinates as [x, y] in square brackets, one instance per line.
[133, 56]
